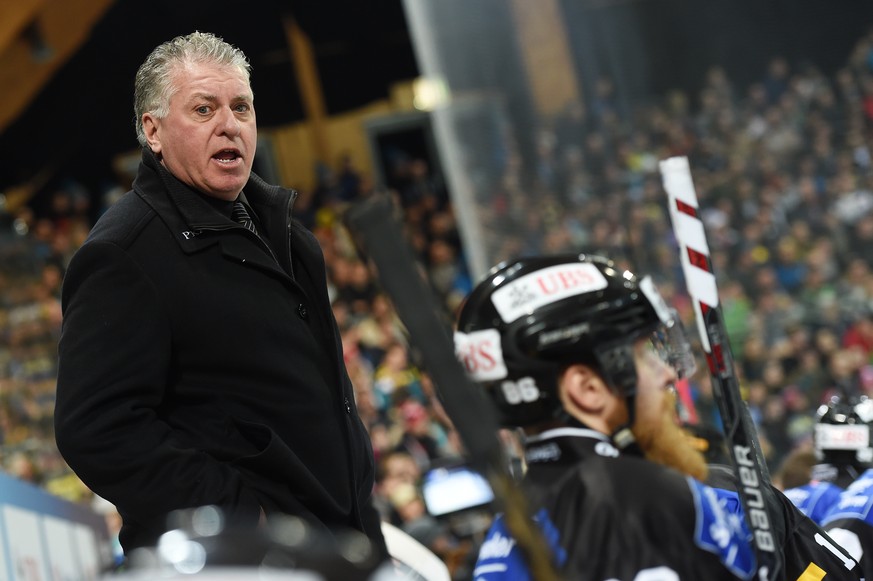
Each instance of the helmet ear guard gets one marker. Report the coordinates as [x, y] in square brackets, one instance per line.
[618, 367]
[530, 318]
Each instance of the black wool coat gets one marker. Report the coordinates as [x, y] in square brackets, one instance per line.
[199, 366]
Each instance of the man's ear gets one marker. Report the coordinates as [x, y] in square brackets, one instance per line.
[582, 388]
[587, 397]
[150, 125]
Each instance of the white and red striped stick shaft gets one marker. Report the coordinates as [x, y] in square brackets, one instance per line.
[751, 470]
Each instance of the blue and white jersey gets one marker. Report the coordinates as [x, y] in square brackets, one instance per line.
[856, 501]
[815, 499]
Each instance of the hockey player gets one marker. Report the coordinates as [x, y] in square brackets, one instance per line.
[842, 446]
[584, 357]
[842, 441]
[847, 438]
[579, 354]
[814, 498]
[850, 521]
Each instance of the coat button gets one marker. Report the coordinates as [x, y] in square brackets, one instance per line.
[302, 312]
[348, 405]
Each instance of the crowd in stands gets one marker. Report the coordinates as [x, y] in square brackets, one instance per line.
[784, 173]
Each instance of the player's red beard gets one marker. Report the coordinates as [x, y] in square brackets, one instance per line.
[664, 442]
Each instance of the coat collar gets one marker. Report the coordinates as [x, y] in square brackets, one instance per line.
[188, 215]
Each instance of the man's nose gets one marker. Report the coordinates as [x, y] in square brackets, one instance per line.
[227, 122]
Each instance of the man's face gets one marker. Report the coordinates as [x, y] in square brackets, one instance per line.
[399, 470]
[655, 427]
[209, 137]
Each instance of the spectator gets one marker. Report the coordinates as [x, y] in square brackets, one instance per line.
[395, 469]
[396, 379]
[418, 434]
[859, 336]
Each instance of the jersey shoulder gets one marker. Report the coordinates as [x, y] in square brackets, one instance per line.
[856, 502]
[814, 499]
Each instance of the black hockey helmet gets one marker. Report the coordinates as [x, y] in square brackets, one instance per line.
[843, 431]
[531, 317]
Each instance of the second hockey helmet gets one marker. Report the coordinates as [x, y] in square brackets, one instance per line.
[843, 431]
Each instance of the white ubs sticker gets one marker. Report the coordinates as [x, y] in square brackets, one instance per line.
[520, 297]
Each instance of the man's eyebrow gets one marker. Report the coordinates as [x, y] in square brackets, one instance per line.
[204, 97]
[209, 97]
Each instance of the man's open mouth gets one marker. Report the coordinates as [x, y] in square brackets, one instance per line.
[227, 156]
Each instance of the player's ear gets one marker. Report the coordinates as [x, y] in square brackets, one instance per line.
[582, 389]
[587, 397]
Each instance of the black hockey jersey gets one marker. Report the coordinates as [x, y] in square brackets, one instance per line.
[619, 517]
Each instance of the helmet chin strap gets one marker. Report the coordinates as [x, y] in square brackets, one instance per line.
[623, 437]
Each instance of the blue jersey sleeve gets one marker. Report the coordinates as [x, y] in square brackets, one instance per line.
[500, 559]
[721, 529]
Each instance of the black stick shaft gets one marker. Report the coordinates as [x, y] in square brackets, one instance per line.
[380, 235]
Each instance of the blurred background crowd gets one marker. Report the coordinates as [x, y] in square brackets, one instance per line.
[784, 171]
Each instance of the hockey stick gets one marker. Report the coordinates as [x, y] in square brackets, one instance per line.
[749, 465]
[379, 235]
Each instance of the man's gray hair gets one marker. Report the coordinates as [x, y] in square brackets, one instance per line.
[154, 85]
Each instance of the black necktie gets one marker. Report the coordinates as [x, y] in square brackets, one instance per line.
[241, 215]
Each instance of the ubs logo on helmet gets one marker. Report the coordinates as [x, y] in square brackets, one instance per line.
[542, 287]
[482, 354]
